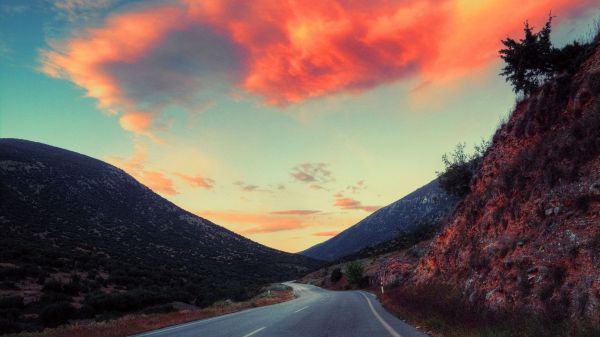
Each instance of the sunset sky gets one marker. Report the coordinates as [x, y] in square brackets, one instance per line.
[284, 121]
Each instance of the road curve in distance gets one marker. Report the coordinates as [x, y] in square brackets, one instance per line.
[315, 312]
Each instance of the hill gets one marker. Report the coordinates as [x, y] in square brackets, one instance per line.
[428, 203]
[83, 238]
[521, 253]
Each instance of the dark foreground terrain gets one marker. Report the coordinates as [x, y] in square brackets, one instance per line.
[81, 239]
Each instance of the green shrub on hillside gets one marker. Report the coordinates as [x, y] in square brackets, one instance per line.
[336, 275]
[57, 314]
[460, 168]
[354, 272]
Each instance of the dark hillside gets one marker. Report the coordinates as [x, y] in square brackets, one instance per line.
[83, 238]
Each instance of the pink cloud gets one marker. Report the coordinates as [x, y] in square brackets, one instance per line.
[154, 56]
[296, 212]
[259, 222]
[352, 204]
[135, 166]
[334, 233]
[197, 181]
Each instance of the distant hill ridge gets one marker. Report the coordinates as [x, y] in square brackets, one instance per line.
[428, 203]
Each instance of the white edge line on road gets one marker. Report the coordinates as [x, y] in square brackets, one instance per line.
[255, 331]
[381, 320]
[301, 309]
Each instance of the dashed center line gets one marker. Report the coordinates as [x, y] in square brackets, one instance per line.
[301, 309]
[255, 331]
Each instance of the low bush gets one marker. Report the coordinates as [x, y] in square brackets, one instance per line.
[57, 314]
[444, 309]
[336, 275]
[11, 302]
[125, 301]
[354, 272]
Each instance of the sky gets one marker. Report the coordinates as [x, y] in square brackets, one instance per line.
[283, 121]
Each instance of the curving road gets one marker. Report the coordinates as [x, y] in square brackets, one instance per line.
[316, 312]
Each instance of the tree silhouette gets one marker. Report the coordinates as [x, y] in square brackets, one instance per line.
[529, 61]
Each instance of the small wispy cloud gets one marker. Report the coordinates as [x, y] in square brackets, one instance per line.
[332, 233]
[76, 9]
[196, 181]
[352, 204]
[135, 166]
[296, 212]
[259, 223]
[247, 187]
[315, 174]
[356, 187]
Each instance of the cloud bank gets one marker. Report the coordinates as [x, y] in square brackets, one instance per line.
[181, 53]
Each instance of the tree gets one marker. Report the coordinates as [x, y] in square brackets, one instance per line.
[460, 169]
[336, 275]
[354, 272]
[529, 61]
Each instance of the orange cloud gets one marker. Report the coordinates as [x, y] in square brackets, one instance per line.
[326, 233]
[260, 222]
[296, 212]
[348, 203]
[157, 181]
[135, 166]
[155, 56]
[198, 181]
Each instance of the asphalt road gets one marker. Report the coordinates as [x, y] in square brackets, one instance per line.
[316, 312]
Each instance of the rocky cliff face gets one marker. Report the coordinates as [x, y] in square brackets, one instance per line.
[528, 235]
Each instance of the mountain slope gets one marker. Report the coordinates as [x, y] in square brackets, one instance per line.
[78, 221]
[428, 203]
[528, 235]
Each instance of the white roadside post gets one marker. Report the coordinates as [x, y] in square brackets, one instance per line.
[381, 287]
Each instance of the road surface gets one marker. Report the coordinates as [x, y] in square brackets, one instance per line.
[316, 312]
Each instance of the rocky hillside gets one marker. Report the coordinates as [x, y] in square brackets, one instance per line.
[84, 235]
[528, 235]
[428, 203]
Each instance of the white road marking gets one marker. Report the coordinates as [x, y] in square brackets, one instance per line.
[301, 309]
[381, 320]
[255, 331]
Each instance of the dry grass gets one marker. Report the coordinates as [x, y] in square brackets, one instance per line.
[132, 324]
[443, 312]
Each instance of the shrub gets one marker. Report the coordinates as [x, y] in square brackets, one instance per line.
[593, 83]
[460, 169]
[336, 275]
[8, 326]
[57, 314]
[125, 301]
[354, 272]
[11, 302]
[52, 286]
[159, 309]
[545, 290]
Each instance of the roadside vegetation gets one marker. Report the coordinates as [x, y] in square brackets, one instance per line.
[443, 310]
[460, 168]
[163, 316]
